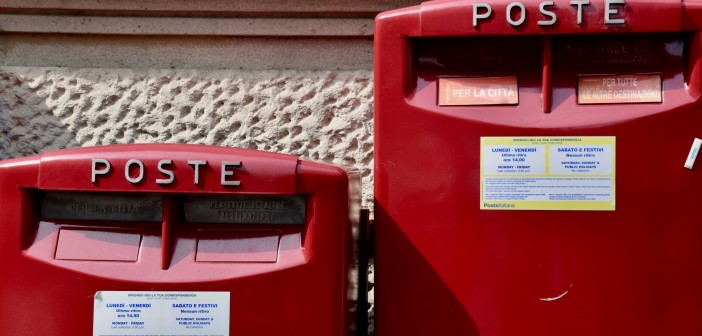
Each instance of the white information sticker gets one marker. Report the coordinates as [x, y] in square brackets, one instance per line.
[118, 313]
[547, 173]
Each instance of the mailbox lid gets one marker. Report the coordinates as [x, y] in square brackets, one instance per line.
[443, 18]
[245, 171]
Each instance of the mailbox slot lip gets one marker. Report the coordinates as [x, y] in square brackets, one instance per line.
[71, 247]
[222, 245]
[146, 269]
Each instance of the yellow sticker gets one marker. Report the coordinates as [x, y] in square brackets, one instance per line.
[547, 173]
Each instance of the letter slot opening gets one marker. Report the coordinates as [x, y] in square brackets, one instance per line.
[70, 205]
[474, 71]
[621, 69]
[237, 246]
[97, 245]
[245, 209]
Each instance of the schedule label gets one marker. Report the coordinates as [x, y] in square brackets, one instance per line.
[547, 173]
[119, 313]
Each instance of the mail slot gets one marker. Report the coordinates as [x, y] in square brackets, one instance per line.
[177, 240]
[534, 172]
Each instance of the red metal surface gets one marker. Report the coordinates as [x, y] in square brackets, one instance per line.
[304, 292]
[445, 267]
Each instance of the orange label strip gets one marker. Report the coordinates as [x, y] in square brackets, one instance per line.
[619, 89]
[478, 91]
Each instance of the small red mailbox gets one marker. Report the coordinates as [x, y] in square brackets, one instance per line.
[176, 240]
[532, 170]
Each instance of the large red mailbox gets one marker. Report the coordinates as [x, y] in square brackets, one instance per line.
[531, 174]
[176, 240]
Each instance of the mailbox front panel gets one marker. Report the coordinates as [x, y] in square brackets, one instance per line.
[95, 241]
[530, 174]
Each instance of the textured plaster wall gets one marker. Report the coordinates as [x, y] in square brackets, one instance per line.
[319, 115]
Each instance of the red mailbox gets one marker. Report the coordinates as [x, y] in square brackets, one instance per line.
[176, 240]
[531, 174]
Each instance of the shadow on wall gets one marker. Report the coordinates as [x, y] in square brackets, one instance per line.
[319, 115]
